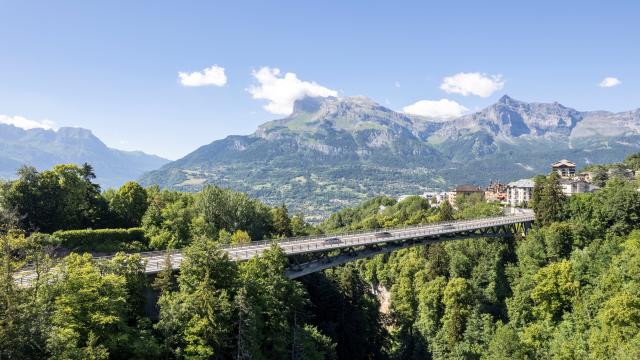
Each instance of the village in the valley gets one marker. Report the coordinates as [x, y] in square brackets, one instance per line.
[517, 194]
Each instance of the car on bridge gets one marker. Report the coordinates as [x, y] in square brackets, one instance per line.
[382, 235]
[332, 241]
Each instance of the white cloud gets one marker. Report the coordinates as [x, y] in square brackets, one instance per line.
[443, 108]
[482, 85]
[27, 124]
[397, 84]
[213, 75]
[283, 91]
[610, 82]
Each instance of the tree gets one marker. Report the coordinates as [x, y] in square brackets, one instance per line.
[165, 280]
[276, 300]
[224, 237]
[458, 303]
[431, 309]
[314, 345]
[618, 328]
[58, 199]
[171, 220]
[89, 314]
[506, 345]
[445, 212]
[281, 221]
[558, 239]
[197, 320]
[240, 237]
[300, 228]
[555, 288]
[129, 205]
[600, 176]
[550, 206]
[616, 208]
[538, 187]
[633, 161]
[225, 209]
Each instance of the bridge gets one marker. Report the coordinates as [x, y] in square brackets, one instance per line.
[316, 253]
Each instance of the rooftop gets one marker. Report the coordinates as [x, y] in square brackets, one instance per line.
[563, 163]
[467, 188]
[522, 183]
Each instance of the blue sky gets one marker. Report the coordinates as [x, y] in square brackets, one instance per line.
[112, 66]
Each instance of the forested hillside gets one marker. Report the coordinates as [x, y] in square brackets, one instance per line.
[336, 152]
[569, 289]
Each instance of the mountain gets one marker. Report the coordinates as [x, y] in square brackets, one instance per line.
[332, 152]
[44, 148]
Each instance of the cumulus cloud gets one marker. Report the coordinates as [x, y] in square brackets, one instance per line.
[213, 75]
[27, 124]
[283, 90]
[443, 108]
[479, 84]
[610, 82]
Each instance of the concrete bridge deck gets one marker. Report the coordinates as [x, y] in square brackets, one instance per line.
[356, 244]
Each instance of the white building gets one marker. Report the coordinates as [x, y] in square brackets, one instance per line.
[564, 168]
[576, 186]
[520, 192]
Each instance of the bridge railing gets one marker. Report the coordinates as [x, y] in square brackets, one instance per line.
[246, 251]
[364, 231]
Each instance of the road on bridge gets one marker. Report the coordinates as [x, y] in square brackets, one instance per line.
[155, 261]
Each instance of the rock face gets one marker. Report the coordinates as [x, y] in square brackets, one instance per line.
[510, 118]
[331, 152]
[45, 148]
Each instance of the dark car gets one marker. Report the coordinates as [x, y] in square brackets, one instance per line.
[384, 234]
[448, 226]
[331, 241]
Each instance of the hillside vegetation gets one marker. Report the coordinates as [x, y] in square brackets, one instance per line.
[569, 289]
[332, 153]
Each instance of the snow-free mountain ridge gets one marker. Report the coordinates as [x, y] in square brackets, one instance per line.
[331, 152]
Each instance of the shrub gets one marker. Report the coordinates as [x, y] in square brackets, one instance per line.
[101, 239]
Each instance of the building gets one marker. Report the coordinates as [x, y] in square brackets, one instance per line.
[564, 168]
[465, 190]
[586, 176]
[468, 190]
[496, 192]
[519, 192]
[434, 197]
[576, 186]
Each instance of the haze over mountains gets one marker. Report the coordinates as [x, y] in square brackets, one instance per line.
[331, 152]
[44, 148]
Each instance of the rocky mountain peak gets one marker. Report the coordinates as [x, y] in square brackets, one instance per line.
[506, 99]
[327, 105]
[510, 118]
[350, 114]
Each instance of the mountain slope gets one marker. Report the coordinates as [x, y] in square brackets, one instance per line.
[332, 152]
[44, 148]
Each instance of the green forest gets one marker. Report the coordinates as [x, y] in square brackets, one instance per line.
[569, 289]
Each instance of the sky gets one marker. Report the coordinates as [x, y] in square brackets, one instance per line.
[166, 77]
